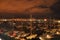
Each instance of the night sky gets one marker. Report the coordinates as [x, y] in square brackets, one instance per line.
[20, 8]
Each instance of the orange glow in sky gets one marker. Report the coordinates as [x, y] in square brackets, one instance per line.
[20, 6]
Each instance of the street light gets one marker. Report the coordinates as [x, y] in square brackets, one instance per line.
[45, 19]
[41, 38]
[59, 21]
[0, 39]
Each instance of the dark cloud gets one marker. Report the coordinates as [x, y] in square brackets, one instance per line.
[26, 6]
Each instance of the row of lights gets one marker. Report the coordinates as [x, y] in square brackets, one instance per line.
[24, 19]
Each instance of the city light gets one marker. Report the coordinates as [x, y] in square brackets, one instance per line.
[32, 36]
[59, 21]
[45, 19]
[23, 30]
[58, 33]
[0, 39]
[41, 38]
[48, 36]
